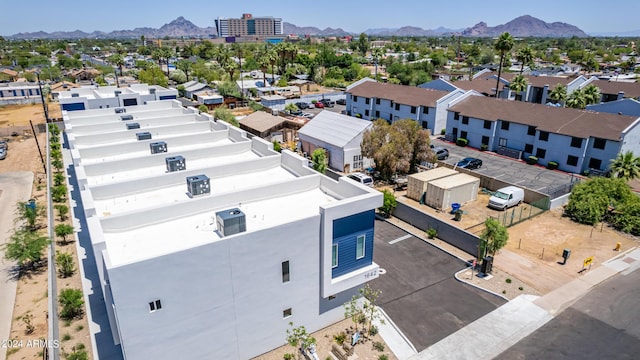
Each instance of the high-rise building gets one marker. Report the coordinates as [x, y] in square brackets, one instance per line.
[248, 26]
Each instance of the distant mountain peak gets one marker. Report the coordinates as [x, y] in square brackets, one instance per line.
[525, 26]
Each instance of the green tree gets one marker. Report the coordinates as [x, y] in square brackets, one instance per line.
[185, 66]
[503, 45]
[63, 210]
[590, 200]
[228, 88]
[519, 84]
[397, 148]
[525, 56]
[71, 301]
[591, 94]
[299, 339]
[225, 115]
[353, 310]
[117, 60]
[25, 247]
[626, 166]
[276, 146]
[65, 263]
[29, 213]
[291, 107]
[559, 94]
[493, 238]
[153, 75]
[319, 160]
[389, 203]
[62, 231]
[626, 216]
[376, 54]
[363, 44]
[57, 164]
[370, 307]
[59, 193]
[58, 179]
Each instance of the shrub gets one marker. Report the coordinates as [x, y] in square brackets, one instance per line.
[462, 142]
[383, 357]
[389, 203]
[378, 346]
[552, 165]
[531, 160]
[340, 338]
[66, 337]
[443, 131]
[66, 266]
[71, 302]
[508, 281]
[484, 147]
[431, 233]
[373, 331]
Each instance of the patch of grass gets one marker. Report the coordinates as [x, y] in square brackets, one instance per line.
[504, 291]
[67, 323]
[12, 351]
[508, 281]
[79, 346]
[79, 327]
[66, 337]
[378, 346]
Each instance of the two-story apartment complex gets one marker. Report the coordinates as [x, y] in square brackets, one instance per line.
[99, 97]
[577, 140]
[371, 100]
[208, 243]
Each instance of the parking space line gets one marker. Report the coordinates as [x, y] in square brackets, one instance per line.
[518, 182]
[400, 239]
[497, 176]
[544, 187]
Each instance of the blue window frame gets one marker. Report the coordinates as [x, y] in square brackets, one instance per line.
[360, 248]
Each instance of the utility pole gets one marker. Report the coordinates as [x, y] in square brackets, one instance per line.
[44, 105]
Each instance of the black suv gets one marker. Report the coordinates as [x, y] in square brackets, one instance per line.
[302, 105]
[341, 101]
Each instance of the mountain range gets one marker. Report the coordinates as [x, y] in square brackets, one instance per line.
[523, 26]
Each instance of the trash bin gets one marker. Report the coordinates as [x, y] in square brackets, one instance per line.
[455, 207]
[487, 265]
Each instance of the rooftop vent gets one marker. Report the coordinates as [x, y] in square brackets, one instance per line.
[158, 147]
[143, 135]
[117, 92]
[75, 95]
[131, 126]
[175, 163]
[126, 117]
[198, 185]
[232, 221]
[152, 91]
[120, 110]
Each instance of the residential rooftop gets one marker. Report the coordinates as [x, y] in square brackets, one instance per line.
[407, 95]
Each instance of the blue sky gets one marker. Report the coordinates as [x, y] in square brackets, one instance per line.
[350, 15]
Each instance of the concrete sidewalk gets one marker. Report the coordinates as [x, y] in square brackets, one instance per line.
[495, 332]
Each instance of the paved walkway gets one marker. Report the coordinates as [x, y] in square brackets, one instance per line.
[14, 187]
[492, 334]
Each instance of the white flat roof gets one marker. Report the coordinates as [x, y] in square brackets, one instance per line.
[171, 194]
[176, 235]
[151, 171]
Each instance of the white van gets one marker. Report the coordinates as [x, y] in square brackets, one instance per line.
[506, 197]
[361, 178]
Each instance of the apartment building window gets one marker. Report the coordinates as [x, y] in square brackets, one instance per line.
[528, 148]
[355, 99]
[425, 124]
[397, 107]
[595, 163]
[367, 101]
[544, 136]
[413, 109]
[502, 142]
[455, 132]
[465, 120]
[377, 114]
[155, 305]
[531, 131]
[456, 115]
[287, 313]
[487, 124]
[285, 272]
[505, 125]
[599, 143]
[572, 160]
[334, 256]
[541, 153]
[425, 109]
[576, 142]
[391, 103]
[485, 140]
[357, 161]
[377, 101]
[366, 112]
[463, 134]
[360, 246]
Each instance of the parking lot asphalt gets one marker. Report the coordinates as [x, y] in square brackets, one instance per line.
[419, 291]
[510, 170]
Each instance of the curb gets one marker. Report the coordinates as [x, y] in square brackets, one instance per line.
[477, 286]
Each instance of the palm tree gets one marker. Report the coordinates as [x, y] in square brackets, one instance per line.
[591, 94]
[519, 84]
[577, 99]
[503, 44]
[265, 57]
[559, 94]
[626, 166]
[525, 57]
[377, 54]
[185, 65]
[117, 60]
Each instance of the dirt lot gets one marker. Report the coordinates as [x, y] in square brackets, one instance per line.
[31, 296]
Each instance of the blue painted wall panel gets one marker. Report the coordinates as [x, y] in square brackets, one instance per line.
[167, 97]
[345, 235]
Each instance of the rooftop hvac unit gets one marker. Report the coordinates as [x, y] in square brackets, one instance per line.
[117, 92]
[175, 163]
[158, 147]
[120, 110]
[75, 95]
[126, 117]
[143, 135]
[232, 221]
[131, 126]
[152, 91]
[198, 185]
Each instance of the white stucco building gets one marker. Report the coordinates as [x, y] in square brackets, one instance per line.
[101, 97]
[216, 270]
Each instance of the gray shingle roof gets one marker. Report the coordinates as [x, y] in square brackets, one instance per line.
[334, 128]
[401, 94]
